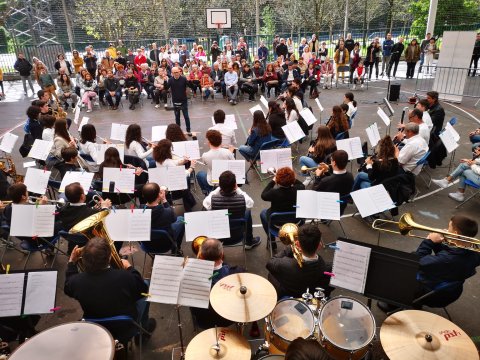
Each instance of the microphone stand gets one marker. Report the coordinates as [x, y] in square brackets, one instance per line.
[180, 327]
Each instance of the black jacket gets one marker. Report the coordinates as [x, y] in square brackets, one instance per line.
[397, 50]
[71, 215]
[57, 66]
[215, 52]
[112, 84]
[349, 44]
[438, 117]
[341, 183]
[90, 62]
[214, 74]
[131, 82]
[276, 121]
[162, 217]
[281, 199]
[23, 66]
[377, 174]
[282, 49]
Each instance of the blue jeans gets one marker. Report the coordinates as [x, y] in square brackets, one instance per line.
[463, 171]
[264, 220]
[178, 228]
[203, 183]
[475, 139]
[308, 162]
[151, 162]
[247, 152]
[117, 95]
[184, 108]
[361, 181]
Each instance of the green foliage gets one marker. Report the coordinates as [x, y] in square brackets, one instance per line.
[268, 20]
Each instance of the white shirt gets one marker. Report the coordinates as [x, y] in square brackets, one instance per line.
[136, 149]
[427, 119]
[293, 116]
[351, 109]
[48, 134]
[90, 148]
[215, 154]
[424, 132]
[228, 134]
[298, 103]
[207, 202]
[415, 148]
[172, 163]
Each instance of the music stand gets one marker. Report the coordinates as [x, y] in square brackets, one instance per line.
[391, 276]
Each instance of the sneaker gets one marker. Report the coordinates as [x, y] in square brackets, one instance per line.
[443, 183]
[157, 106]
[457, 196]
[89, 110]
[361, 86]
[354, 87]
[307, 181]
[165, 106]
[255, 242]
[230, 101]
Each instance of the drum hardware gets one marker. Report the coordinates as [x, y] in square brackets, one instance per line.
[406, 225]
[288, 235]
[319, 295]
[307, 297]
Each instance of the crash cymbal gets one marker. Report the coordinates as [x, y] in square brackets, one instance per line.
[231, 346]
[243, 297]
[414, 334]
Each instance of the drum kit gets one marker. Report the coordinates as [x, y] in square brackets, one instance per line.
[343, 326]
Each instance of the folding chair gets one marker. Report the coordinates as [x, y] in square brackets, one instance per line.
[43, 244]
[341, 136]
[475, 192]
[423, 162]
[238, 232]
[161, 243]
[275, 222]
[253, 164]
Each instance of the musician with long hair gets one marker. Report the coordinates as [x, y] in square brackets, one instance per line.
[338, 122]
[320, 149]
[135, 146]
[259, 133]
[61, 140]
[276, 119]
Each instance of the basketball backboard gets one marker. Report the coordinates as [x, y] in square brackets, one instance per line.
[216, 17]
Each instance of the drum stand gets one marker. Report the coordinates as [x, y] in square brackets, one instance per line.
[182, 346]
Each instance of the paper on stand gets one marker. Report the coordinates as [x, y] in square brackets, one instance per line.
[83, 122]
[213, 223]
[40, 292]
[173, 177]
[275, 158]
[189, 149]
[118, 132]
[36, 180]
[82, 177]
[308, 116]
[255, 108]
[350, 266]
[32, 220]
[448, 141]
[452, 130]
[264, 101]
[319, 105]
[318, 205]
[383, 116]
[8, 142]
[353, 146]
[293, 132]
[158, 132]
[77, 115]
[123, 180]
[372, 200]
[40, 149]
[129, 225]
[101, 148]
[373, 134]
[235, 166]
[12, 294]
[29, 164]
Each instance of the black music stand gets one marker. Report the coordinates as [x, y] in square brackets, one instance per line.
[391, 276]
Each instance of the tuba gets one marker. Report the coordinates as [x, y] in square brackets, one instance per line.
[94, 226]
[8, 166]
[288, 234]
[197, 243]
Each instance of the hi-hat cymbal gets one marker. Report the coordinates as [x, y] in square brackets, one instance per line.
[414, 334]
[243, 297]
[231, 346]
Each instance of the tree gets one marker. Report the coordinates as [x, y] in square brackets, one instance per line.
[268, 19]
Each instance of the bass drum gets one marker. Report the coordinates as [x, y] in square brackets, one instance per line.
[346, 327]
[290, 319]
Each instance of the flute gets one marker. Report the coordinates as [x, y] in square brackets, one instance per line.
[186, 158]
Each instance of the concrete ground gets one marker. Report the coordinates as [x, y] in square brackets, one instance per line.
[433, 207]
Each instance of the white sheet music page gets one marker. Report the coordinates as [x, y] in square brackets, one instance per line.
[373, 134]
[196, 283]
[213, 223]
[308, 116]
[40, 149]
[36, 180]
[165, 280]
[123, 180]
[83, 122]
[383, 116]
[235, 166]
[350, 266]
[452, 130]
[77, 115]
[353, 146]
[264, 101]
[117, 224]
[328, 205]
[173, 177]
[306, 204]
[118, 132]
[44, 220]
[32, 220]
[372, 200]
[8, 142]
[255, 108]
[40, 292]
[82, 177]
[158, 132]
[139, 225]
[448, 140]
[293, 132]
[101, 148]
[276, 158]
[319, 105]
[190, 149]
[12, 294]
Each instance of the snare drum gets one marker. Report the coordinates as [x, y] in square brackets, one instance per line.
[346, 327]
[290, 319]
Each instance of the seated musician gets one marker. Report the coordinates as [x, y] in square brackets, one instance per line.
[228, 134]
[303, 349]
[441, 264]
[288, 278]
[132, 89]
[69, 161]
[163, 215]
[212, 250]
[103, 291]
[340, 180]
[414, 149]
[229, 196]
[135, 146]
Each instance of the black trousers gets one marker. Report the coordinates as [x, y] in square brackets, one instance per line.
[411, 69]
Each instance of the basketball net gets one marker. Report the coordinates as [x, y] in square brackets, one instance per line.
[219, 28]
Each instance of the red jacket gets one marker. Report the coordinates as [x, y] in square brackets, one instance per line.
[139, 60]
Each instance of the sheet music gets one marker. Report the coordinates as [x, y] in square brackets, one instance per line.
[264, 101]
[40, 149]
[8, 142]
[124, 180]
[118, 132]
[319, 105]
[452, 131]
[318, 205]
[214, 223]
[372, 200]
[83, 122]
[235, 166]
[255, 108]
[373, 134]
[173, 177]
[171, 283]
[32, 220]
[29, 164]
[353, 146]
[308, 116]
[128, 225]
[40, 292]
[293, 132]
[158, 132]
[101, 148]
[383, 116]
[350, 266]
[36, 180]
[189, 149]
[275, 158]
[82, 177]
[448, 140]
[12, 294]
[77, 115]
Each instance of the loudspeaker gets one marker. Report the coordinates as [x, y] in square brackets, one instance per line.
[394, 92]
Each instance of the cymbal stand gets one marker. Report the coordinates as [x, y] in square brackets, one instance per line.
[182, 346]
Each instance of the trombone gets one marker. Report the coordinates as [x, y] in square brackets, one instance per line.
[406, 225]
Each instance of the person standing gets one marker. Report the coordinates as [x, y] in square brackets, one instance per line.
[215, 51]
[386, 52]
[475, 56]
[262, 53]
[423, 45]
[412, 55]
[24, 67]
[276, 42]
[178, 85]
[397, 51]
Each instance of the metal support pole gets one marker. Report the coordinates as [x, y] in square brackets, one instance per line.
[432, 14]
[345, 24]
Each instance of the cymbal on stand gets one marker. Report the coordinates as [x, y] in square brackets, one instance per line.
[414, 334]
[231, 346]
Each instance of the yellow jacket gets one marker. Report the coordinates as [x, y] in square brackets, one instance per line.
[77, 63]
[1, 74]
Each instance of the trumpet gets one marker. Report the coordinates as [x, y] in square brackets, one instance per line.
[34, 199]
[272, 171]
[406, 225]
[288, 234]
[322, 166]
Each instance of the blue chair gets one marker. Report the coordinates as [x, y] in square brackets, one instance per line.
[253, 165]
[453, 121]
[475, 192]
[161, 243]
[275, 222]
[238, 236]
[341, 135]
[43, 244]
[73, 239]
[423, 162]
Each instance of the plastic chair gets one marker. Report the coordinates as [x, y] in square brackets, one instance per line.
[275, 222]
[253, 165]
[423, 162]
[475, 192]
[238, 233]
[43, 244]
[161, 243]
[453, 121]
